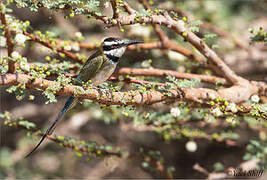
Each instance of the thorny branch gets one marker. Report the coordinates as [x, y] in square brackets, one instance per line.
[235, 94]
[189, 36]
[145, 46]
[151, 72]
[245, 166]
[166, 43]
[210, 27]
[241, 90]
[63, 143]
[152, 127]
[48, 44]
[163, 72]
[10, 45]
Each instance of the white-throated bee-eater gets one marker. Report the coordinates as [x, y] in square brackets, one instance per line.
[98, 68]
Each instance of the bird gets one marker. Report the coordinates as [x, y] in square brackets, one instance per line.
[97, 69]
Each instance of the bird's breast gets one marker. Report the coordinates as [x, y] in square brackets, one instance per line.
[104, 73]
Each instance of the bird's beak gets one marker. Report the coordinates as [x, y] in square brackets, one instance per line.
[131, 42]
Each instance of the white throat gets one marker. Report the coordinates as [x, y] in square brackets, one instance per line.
[118, 52]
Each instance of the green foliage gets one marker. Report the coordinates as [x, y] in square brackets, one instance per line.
[258, 36]
[194, 25]
[77, 6]
[90, 148]
[153, 160]
[210, 39]
[257, 150]
[218, 166]
[19, 90]
[92, 5]
[51, 98]
[183, 83]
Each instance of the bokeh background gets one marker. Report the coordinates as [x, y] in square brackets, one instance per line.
[90, 121]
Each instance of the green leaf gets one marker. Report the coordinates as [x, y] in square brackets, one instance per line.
[27, 124]
[218, 166]
[50, 96]
[255, 143]
[247, 156]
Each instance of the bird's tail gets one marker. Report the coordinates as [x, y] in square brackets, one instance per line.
[51, 128]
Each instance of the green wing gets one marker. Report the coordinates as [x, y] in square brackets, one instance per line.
[91, 67]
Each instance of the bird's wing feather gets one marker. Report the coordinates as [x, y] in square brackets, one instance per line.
[91, 67]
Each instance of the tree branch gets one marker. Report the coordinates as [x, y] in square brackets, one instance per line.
[65, 143]
[48, 44]
[10, 45]
[163, 72]
[189, 36]
[237, 93]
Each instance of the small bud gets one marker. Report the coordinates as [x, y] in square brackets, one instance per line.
[2, 41]
[15, 55]
[27, 23]
[20, 39]
[106, 4]
[180, 22]
[145, 64]
[67, 48]
[232, 107]
[78, 35]
[191, 146]
[184, 34]
[14, 26]
[121, 78]
[212, 96]
[255, 98]
[47, 58]
[175, 112]
[217, 112]
[231, 120]
[75, 47]
[114, 21]
[62, 55]
[72, 15]
[31, 97]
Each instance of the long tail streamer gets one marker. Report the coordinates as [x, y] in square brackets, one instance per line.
[52, 126]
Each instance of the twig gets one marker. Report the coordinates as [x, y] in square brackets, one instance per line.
[246, 168]
[211, 27]
[142, 82]
[201, 169]
[162, 72]
[149, 72]
[65, 144]
[116, 12]
[189, 36]
[48, 44]
[10, 45]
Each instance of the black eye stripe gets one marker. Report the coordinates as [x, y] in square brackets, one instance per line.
[110, 47]
[107, 48]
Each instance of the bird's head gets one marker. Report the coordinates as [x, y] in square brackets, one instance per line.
[116, 47]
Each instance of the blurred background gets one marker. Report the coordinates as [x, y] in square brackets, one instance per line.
[109, 125]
